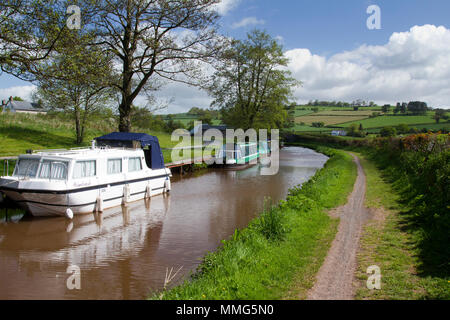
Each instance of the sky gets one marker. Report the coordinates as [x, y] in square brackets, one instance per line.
[333, 52]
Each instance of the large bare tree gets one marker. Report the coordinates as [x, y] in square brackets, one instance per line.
[154, 40]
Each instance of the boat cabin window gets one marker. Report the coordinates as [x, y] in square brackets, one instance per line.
[114, 166]
[84, 169]
[134, 164]
[26, 168]
[53, 170]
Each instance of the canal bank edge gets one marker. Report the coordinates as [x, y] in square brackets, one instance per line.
[278, 255]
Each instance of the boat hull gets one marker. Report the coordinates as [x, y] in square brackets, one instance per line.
[43, 203]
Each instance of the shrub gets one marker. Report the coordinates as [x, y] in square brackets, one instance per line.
[388, 132]
[318, 124]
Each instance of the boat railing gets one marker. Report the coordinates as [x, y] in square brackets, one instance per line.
[6, 164]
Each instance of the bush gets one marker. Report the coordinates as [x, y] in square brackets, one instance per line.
[403, 128]
[318, 124]
[388, 132]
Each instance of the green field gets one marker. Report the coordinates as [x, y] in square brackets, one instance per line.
[329, 120]
[386, 121]
[337, 118]
[186, 119]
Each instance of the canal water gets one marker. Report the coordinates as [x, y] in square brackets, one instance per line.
[124, 253]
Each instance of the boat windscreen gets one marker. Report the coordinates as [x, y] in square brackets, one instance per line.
[26, 168]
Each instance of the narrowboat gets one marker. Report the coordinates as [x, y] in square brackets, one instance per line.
[242, 155]
[117, 169]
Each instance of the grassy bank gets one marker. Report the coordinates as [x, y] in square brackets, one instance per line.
[285, 245]
[407, 191]
[20, 132]
[392, 242]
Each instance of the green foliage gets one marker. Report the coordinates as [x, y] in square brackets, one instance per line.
[402, 128]
[355, 131]
[417, 107]
[271, 223]
[319, 124]
[251, 87]
[418, 167]
[388, 132]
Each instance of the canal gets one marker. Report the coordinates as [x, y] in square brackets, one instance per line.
[124, 253]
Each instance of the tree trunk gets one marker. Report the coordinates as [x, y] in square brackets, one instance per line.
[125, 116]
[78, 125]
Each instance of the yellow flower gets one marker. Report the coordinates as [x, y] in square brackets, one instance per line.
[204, 297]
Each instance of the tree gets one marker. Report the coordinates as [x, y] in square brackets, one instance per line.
[388, 132]
[251, 85]
[76, 80]
[403, 108]
[29, 32]
[403, 128]
[417, 107]
[318, 124]
[386, 108]
[153, 41]
[439, 114]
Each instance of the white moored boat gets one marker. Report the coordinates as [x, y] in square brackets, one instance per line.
[122, 168]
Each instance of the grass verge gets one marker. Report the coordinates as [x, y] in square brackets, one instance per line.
[279, 250]
[388, 244]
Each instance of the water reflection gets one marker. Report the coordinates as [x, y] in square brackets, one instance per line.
[123, 253]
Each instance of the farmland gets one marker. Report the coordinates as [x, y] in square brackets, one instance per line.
[389, 120]
[329, 120]
[371, 119]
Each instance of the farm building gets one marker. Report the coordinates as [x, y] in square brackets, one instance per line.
[21, 107]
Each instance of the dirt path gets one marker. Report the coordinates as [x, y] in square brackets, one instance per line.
[335, 280]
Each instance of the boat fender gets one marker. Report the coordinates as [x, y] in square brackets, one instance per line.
[126, 194]
[69, 214]
[148, 192]
[167, 185]
[99, 205]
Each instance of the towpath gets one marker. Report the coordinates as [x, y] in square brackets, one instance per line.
[336, 278]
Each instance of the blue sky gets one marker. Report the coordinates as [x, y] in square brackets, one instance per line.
[328, 39]
[329, 26]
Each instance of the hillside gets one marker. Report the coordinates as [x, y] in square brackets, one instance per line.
[372, 119]
[20, 132]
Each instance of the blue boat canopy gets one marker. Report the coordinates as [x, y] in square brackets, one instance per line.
[153, 154]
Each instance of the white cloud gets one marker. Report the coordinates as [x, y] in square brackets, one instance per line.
[226, 6]
[249, 21]
[24, 92]
[413, 65]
